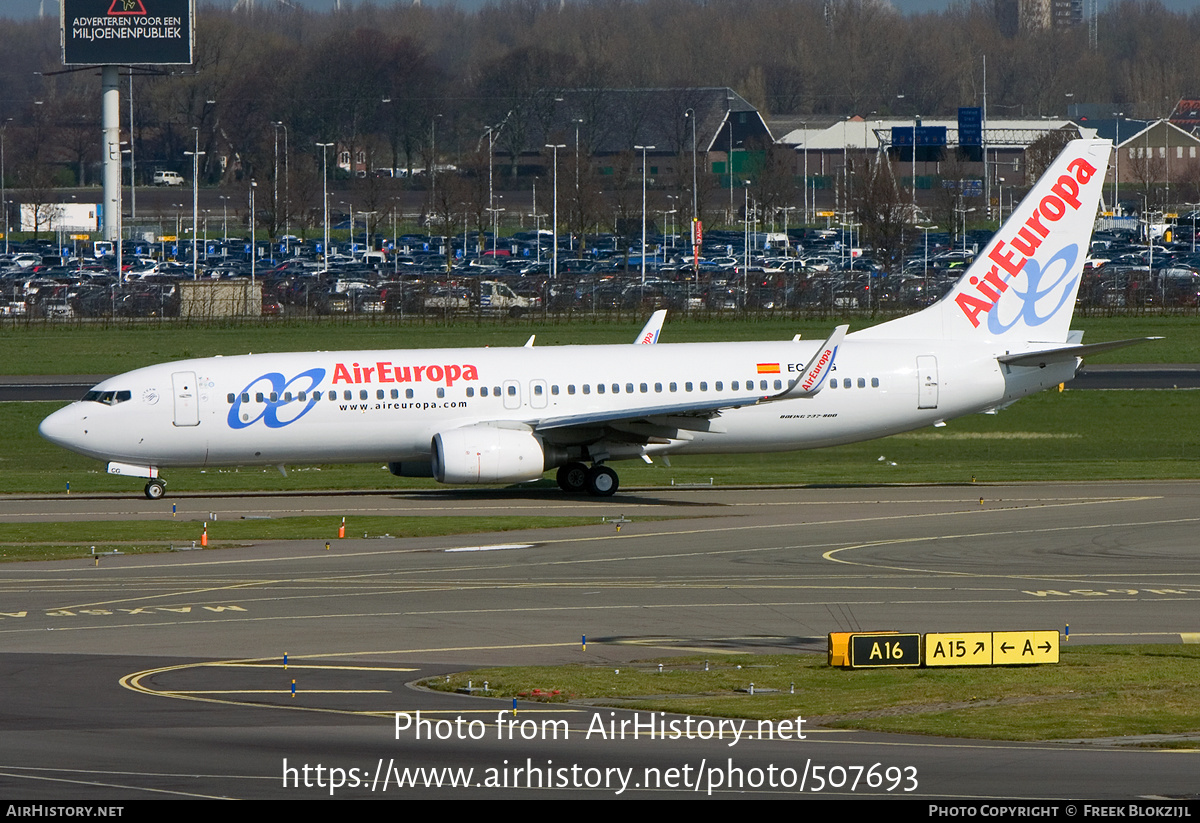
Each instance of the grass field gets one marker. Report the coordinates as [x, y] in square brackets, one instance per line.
[1053, 436]
[48, 348]
[1072, 435]
[75, 538]
[1095, 691]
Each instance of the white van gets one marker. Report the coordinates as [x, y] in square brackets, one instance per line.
[168, 178]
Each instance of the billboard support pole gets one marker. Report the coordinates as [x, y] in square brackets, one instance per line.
[110, 122]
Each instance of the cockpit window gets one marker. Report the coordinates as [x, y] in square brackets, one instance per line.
[108, 398]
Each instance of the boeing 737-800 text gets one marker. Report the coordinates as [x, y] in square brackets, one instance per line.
[507, 415]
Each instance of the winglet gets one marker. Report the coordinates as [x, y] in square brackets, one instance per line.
[813, 377]
[529, 342]
[649, 333]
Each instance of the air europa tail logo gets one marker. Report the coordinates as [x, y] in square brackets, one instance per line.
[1009, 259]
[385, 371]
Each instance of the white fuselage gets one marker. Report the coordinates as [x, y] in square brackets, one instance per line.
[367, 406]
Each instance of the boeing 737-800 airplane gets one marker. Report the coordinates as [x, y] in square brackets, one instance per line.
[492, 415]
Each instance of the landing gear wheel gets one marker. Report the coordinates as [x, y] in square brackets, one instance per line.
[572, 478]
[601, 481]
[155, 489]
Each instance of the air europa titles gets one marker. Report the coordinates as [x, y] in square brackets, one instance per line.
[385, 372]
[1009, 258]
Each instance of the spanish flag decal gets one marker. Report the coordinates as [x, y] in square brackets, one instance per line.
[768, 368]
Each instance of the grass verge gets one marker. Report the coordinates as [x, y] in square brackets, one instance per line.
[1094, 692]
[67, 540]
[35, 347]
[1072, 435]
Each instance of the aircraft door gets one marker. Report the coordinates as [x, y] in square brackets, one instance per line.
[927, 382]
[538, 394]
[512, 394]
[183, 385]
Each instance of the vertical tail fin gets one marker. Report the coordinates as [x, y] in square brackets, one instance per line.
[1022, 286]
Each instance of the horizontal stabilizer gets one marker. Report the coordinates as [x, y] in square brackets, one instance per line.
[1063, 353]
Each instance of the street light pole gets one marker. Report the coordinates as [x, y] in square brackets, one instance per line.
[554, 251]
[253, 236]
[287, 190]
[325, 198]
[132, 165]
[643, 150]
[1117, 115]
[3, 192]
[195, 200]
[690, 114]
[577, 121]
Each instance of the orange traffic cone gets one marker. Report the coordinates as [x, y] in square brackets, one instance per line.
[342, 528]
[204, 536]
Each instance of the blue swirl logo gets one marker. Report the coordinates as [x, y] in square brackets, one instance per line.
[1035, 292]
[277, 411]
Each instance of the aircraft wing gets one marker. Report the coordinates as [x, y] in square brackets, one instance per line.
[698, 415]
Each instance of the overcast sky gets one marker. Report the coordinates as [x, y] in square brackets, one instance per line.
[29, 8]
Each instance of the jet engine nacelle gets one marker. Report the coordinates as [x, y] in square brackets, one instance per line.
[486, 454]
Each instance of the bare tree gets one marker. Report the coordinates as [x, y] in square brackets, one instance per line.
[883, 210]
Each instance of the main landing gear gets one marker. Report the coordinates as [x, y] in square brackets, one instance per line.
[155, 489]
[598, 481]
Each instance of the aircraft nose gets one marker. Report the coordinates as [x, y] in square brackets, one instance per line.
[64, 428]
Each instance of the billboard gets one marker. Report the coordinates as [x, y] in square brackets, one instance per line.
[60, 217]
[124, 32]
